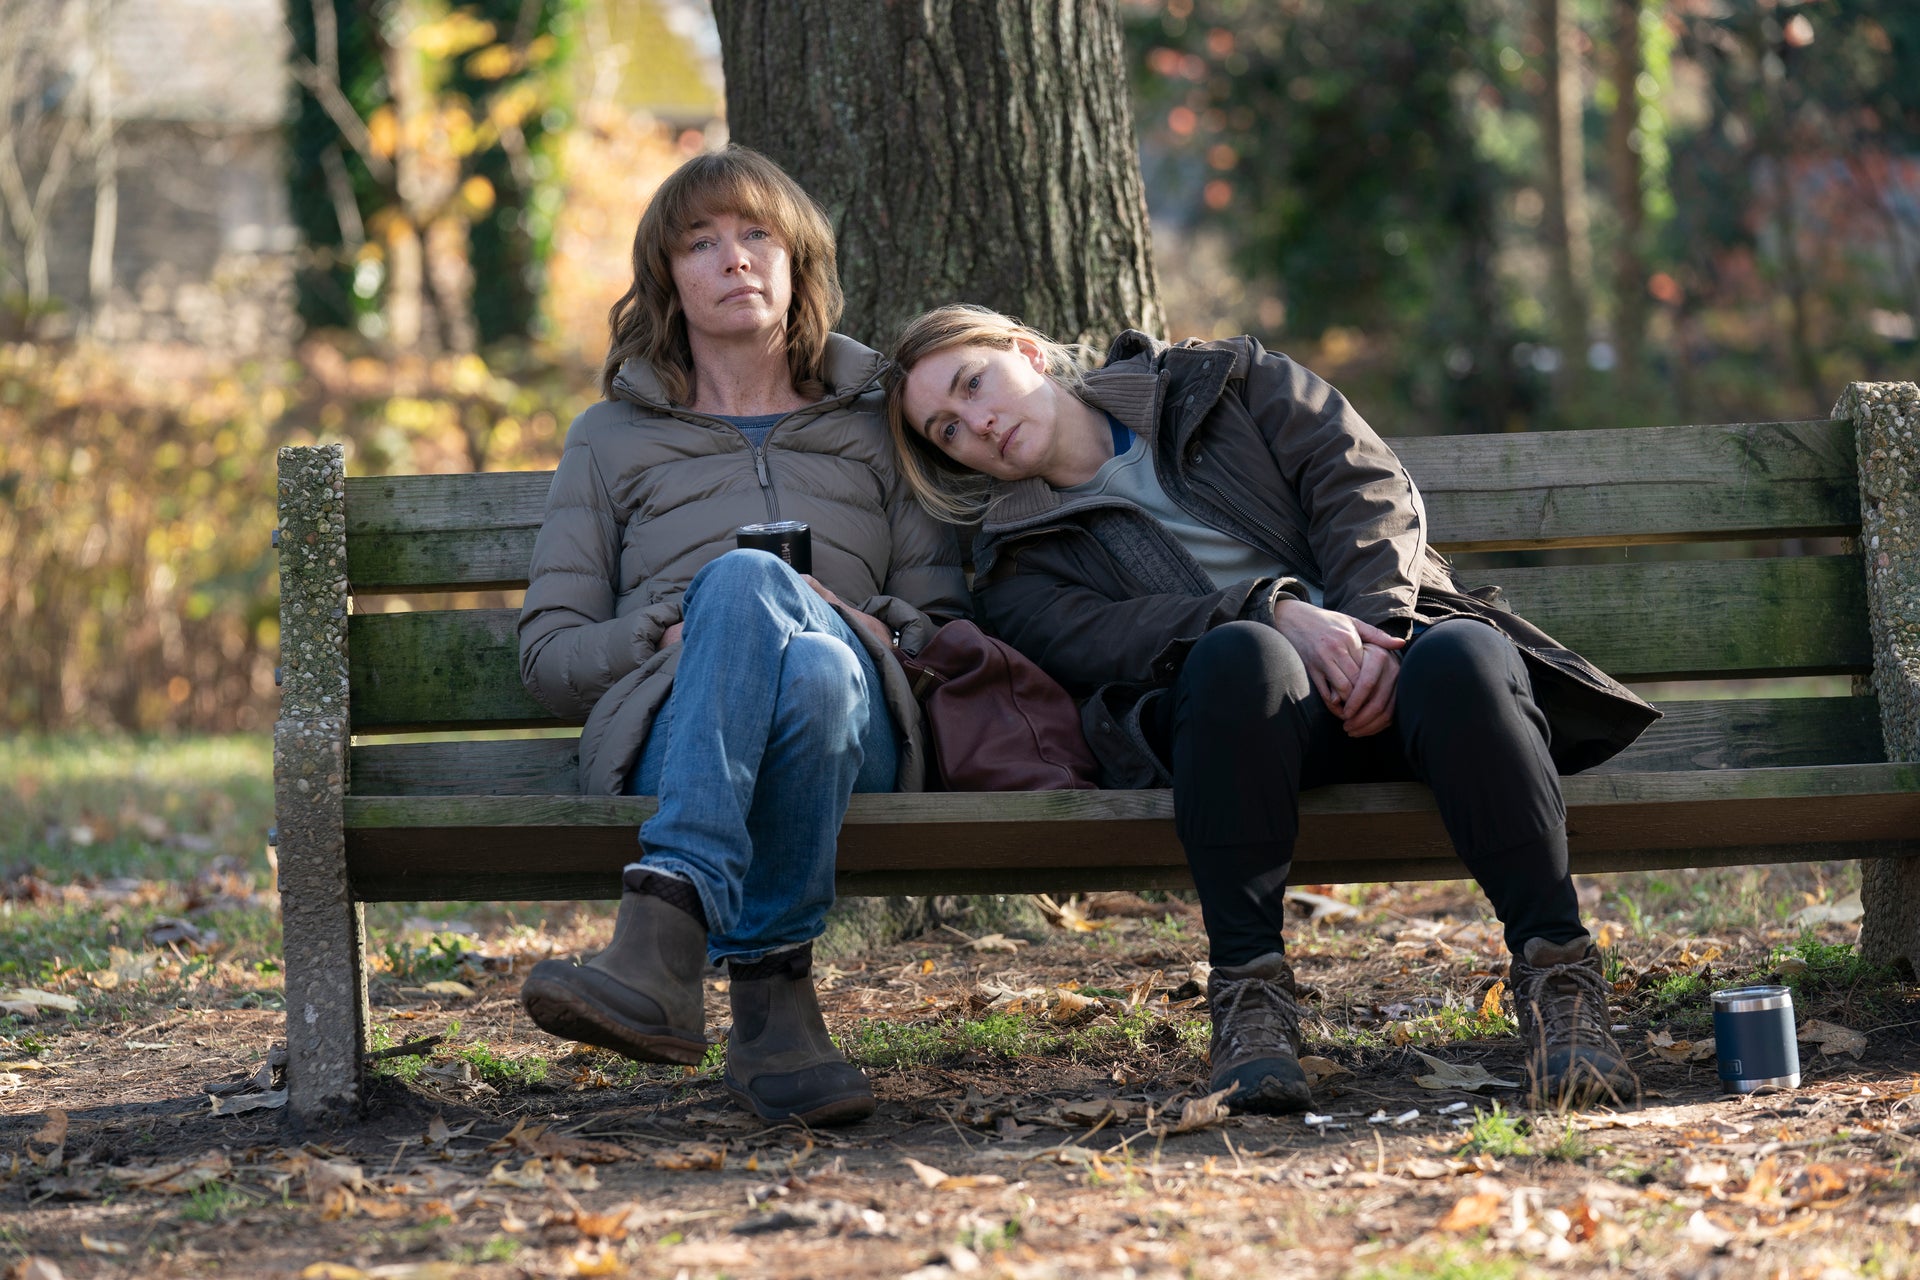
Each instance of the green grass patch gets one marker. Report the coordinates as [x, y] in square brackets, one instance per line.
[152, 808]
[1498, 1133]
[881, 1044]
[1450, 1264]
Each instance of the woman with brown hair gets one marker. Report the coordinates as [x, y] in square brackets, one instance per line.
[751, 699]
[1222, 560]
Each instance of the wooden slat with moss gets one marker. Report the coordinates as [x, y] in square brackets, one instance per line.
[453, 669]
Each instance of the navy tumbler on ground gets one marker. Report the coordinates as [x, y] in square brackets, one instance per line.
[1753, 1038]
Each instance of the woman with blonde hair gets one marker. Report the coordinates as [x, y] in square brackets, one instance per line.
[1210, 548]
[751, 699]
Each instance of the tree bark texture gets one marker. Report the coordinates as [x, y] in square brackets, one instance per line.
[965, 151]
[1626, 169]
[1566, 189]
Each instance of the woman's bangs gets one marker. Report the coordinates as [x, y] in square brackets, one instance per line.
[727, 190]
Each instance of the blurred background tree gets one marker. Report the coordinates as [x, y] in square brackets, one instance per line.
[421, 156]
[1511, 214]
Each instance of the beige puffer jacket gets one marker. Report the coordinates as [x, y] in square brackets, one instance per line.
[648, 492]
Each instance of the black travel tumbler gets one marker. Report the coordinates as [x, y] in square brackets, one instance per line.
[1753, 1038]
[788, 539]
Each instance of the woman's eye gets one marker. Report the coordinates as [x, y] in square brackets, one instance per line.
[757, 234]
[973, 383]
[946, 433]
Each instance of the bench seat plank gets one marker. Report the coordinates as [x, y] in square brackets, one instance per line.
[492, 847]
[448, 669]
[1483, 492]
[1743, 733]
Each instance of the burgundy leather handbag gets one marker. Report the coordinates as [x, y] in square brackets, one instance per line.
[996, 721]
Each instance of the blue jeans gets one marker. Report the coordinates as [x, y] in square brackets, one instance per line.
[776, 717]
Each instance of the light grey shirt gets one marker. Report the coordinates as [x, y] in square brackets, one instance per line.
[1226, 558]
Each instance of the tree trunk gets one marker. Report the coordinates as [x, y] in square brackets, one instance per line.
[965, 150]
[1566, 192]
[1623, 161]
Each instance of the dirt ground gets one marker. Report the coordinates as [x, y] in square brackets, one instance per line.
[1035, 1120]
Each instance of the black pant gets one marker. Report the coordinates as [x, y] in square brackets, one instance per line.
[1245, 732]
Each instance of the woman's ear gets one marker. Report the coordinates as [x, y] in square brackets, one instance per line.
[1031, 352]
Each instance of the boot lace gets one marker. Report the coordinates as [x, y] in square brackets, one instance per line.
[1252, 1016]
[1563, 1004]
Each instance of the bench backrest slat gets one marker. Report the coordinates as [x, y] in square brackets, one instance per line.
[1484, 492]
[1661, 620]
[1741, 733]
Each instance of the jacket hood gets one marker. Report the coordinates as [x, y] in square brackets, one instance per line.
[852, 368]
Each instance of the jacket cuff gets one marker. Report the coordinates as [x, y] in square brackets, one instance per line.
[1266, 596]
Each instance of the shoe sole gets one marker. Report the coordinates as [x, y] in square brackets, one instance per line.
[838, 1111]
[1274, 1097]
[564, 1012]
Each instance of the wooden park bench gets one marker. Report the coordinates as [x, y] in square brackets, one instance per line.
[366, 812]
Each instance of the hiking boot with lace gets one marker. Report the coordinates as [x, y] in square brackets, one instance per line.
[1560, 997]
[1256, 1036]
[781, 1063]
[641, 996]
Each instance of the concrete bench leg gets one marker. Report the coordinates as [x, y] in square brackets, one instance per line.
[1886, 418]
[323, 937]
[322, 933]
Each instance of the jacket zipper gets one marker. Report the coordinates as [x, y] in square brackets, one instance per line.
[1301, 561]
[766, 481]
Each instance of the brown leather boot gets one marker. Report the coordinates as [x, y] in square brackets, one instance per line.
[1560, 996]
[1256, 1036]
[641, 996]
[781, 1064]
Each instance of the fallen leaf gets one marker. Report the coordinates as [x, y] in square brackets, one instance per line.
[1702, 1230]
[1426, 1169]
[598, 1260]
[448, 987]
[176, 1177]
[540, 1141]
[53, 1137]
[169, 930]
[928, 1175]
[1472, 1212]
[997, 942]
[93, 1244]
[1071, 1006]
[939, 1180]
[12, 1082]
[439, 1135]
[1845, 911]
[319, 1176]
[1690, 958]
[1833, 1038]
[1490, 1006]
[1094, 1110]
[27, 1001]
[271, 1100]
[1703, 1173]
[608, 1224]
[1447, 1075]
[1664, 1047]
[531, 1176]
[1818, 1186]
[1320, 1070]
[36, 1268]
[1604, 938]
[693, 1157]
[1322, 907]
[332, 1271]
[1203, 1113]
[1067, 915]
